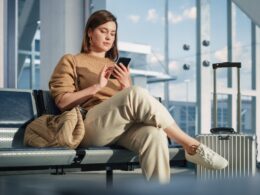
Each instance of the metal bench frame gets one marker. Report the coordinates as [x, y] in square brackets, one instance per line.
[14, 105]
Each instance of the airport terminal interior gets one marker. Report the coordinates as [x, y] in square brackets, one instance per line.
[173, 45]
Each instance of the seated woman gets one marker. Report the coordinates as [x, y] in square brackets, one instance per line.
[117, 112]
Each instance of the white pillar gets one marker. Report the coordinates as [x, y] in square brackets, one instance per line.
[233, 72]
[204, 80]
[1, 43]
[10, 43]
[62, 26]
[250, 8]
[258, 90]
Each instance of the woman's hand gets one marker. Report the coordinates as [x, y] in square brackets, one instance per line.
[104, 76]
[122, 74]
[70, 100]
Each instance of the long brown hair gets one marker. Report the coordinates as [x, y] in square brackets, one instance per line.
[96, 19]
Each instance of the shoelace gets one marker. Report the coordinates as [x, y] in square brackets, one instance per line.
[207, 156]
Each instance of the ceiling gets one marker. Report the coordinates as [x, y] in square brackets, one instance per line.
[250, 8]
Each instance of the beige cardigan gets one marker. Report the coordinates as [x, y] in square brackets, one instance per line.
[86, 69]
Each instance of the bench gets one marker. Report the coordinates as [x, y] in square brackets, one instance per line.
[19, 107]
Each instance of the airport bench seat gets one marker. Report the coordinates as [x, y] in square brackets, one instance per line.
[19, 107]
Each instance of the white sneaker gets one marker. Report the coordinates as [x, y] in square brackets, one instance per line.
[206, 157]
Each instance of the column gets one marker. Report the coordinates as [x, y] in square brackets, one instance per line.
[62, 26]
[204, 80]
[2, 43]
[10, 43]
[232, 72]
[257, 64]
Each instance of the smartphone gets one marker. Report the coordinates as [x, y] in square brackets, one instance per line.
[124, 60]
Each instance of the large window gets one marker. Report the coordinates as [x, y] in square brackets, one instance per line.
[28, 65]
[218, 40]
[247, 115]
[242, 46]
[143, 23]
[223, 110]
[182, 54]
[240, 35]
[182, 49]
[219, 53]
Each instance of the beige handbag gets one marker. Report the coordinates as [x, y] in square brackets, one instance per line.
[64, 130]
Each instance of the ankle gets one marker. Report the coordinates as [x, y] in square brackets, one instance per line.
[191, 149]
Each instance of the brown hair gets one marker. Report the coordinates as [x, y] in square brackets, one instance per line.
[96, 19]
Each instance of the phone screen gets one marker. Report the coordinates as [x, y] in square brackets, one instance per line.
[125, 61]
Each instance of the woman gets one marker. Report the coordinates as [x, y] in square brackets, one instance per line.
[118, 113]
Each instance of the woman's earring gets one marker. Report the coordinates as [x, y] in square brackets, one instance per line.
[90, 40]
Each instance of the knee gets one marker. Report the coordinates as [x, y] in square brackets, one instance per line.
[138, 94]
[157, 136]
[136, 90]
[154, 138]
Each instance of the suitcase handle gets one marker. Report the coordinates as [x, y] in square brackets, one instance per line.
[226, 65]
[219, 130]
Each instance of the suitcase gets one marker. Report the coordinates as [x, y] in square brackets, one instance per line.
[239, 149]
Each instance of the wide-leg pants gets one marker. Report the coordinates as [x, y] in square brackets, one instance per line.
[135, 120]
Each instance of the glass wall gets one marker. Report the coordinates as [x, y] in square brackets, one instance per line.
[144, 23]
[240, 35]
[28, 66]
[218, 42]
[242, 46]
[219, 53]
[247, 115]
[223, 108]
[182, 49]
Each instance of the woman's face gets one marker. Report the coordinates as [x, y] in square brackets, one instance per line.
[102, 38]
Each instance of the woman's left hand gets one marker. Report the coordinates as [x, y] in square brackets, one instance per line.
[122, 74]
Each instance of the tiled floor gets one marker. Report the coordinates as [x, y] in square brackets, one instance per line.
[35, 182]
[183, 182]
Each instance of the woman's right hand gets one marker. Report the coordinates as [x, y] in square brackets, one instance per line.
[70, 100]
[104, 75]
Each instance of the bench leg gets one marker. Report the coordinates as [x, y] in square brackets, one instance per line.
[109, 177]
[59, 171]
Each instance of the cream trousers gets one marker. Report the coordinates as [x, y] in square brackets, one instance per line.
[135, 120]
